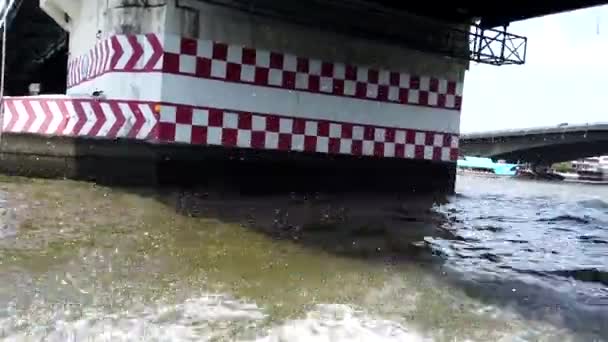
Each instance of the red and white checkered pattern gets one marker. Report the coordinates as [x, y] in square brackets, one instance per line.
[118, 53]
[208, 126]
[233, 63]
[186, 123]
[79, 117]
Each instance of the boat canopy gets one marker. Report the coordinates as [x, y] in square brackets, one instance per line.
[482, 163]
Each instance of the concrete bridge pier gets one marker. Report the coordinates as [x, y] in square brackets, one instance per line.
[204, 91]
[540, 168]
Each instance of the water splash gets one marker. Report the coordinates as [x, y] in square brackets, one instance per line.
[199, 319]
[340, 323]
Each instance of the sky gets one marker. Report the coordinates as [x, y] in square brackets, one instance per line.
[564, 79]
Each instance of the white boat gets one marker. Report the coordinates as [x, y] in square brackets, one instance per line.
[592, 169]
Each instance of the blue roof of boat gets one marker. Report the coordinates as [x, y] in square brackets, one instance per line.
[488, 163]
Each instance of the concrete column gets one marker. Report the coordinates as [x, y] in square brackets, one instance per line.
[217, 77]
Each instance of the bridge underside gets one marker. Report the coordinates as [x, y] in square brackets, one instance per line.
[36, 51]
[541, 149]
[557, 153]
[489, 14]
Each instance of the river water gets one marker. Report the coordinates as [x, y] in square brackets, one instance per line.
[503, 260]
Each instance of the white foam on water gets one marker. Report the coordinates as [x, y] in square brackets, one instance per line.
[207, 318]
[221, 318]
[199, 319]
[338, 323]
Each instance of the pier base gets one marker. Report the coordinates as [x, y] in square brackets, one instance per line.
[218, 169]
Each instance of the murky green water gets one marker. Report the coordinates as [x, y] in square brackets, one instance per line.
[80, 262]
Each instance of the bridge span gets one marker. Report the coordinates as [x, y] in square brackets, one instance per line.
[541, 145]
[314, 95]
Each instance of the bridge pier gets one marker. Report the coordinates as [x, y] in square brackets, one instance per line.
[217, 88]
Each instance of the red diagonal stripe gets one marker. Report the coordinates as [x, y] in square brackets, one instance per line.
[118, 52]
[64, 117]
[153, 134]
[95, 61]
[72, 75]
[48, 116]
[69, 76]
[81, 74]
[106, 55]
[138, 51]
[11, 106]
[77, 70]
[74, 66]
[157, 51]
[101, 119]
[120, 119]
[88, 57]
[82, 118]
[31, 116]
[140, 119]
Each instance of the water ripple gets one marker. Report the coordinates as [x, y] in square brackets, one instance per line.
[566, 218]
[593, 203]
[551, 235]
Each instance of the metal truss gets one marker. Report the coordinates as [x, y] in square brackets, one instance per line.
[496, 47]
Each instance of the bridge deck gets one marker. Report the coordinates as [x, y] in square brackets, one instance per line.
[536, 131]
[543, 145]
[490, 13]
